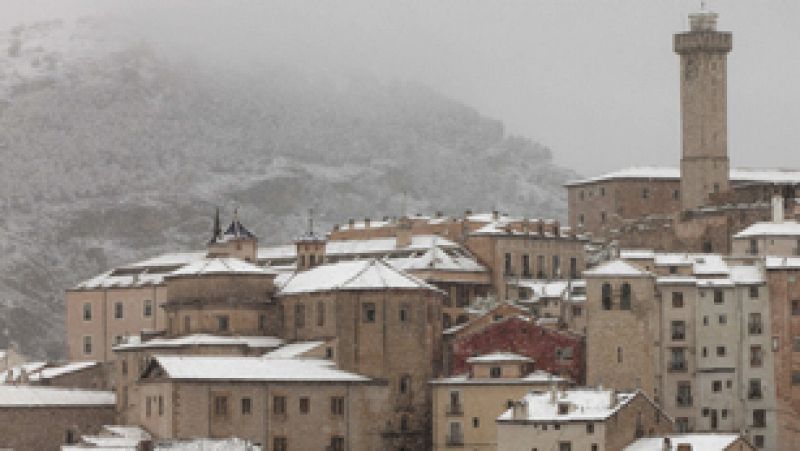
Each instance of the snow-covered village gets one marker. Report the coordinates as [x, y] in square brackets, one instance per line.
[216, 237]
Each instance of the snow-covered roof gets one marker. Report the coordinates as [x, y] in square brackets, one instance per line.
[584, 405]
[783, 262]
[200, 340]
[51, 372]
[537, 377]
[699, 441]
[439, 259]
[16, 372]
[219, 265]
[546, 288]
[253, 369]
[499, 357]
[763, 229]
[110, 279]
[36, 396]
[616, 268]
[293, 350]
[352, 275]
[170, 259]
[741, 175]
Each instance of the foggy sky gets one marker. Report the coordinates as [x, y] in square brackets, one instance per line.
[596, 81]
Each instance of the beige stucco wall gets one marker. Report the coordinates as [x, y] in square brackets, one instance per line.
[45, 428]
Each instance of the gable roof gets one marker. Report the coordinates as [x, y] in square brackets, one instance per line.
[760, 229]
[699, 441]
[585, 404]
[737, 175]
[220, 265]
[616, 268]
[353, 275]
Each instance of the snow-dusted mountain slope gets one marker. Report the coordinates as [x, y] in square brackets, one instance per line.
[111, 153]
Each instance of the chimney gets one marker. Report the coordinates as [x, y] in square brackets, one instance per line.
[777, 208]
[385, 219]
[540, 227]
[666, 445]
[439, 213]
[403, 233]
[467, 212]
[351, 222]
[366, 223]
[553, 394]
[556, 229]
[520, 409]
[336, 227]
[495, 215]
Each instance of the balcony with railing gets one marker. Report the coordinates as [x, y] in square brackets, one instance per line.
[678, 366]
[455, 439]
[683, 400]
[454, 410]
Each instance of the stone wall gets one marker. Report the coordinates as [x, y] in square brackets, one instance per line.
[47, 428]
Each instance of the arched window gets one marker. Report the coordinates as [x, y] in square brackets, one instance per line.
[625, 298]
[606, 296]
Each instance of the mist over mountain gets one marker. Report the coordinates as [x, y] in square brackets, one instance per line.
[112, 152]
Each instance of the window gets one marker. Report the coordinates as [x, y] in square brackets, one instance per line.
[187, 324]
[160, 405]
[476, 422]
[148, 309]
[625, 298]
[563, 408]
[564, 353]
[541, 271]
[221, 405]
[723, 319]
[69, 437]
[676, 195]
[247, 405]
[337, 405]
[603, 217]
[754, 324]
[753, 250]
[678, 359]
[320, 314]
[705, 351]
[758, 441]
[87, 312]
[716, 386]
[677, 299]
[222, 323]
[368, 312]
[759, 418]
[619, 355]
[795, 377]
[455, 435]
[576, 311]
[305, 405]
[645, 193]
[594, 447]
[796, 344]
[673, 269]
[280, 444]
[678, 330]
[118, 310]
[405, 384]
[606, 296]
[756, 356]
[87, 345]
[279, 405]
[405, 313]
[720, 351]
[148, 408]
[719, 296]
[299, 315]
[337, 443]
[705, 320]
[526, 265]
[328, 352]
[754, 292]
[582, 195]
[573, 268]
[724, 413]
[495, 371]
[507, 268]
[682, 424]
[262, 322]
[124, 367]
[581, 220]
[556, 267]
[602, 191]
[683, 396]
[754, 389]
[590, 428]
[564, 446]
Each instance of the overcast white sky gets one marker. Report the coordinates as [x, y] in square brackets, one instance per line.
[597, 81]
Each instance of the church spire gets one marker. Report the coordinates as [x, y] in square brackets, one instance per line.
[217, 228]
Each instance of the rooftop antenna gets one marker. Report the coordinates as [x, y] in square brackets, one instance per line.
[403, 205]
[310, 222]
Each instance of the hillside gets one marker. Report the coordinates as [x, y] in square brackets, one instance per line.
[112, 153]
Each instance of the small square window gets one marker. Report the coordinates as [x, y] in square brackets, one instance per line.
[677, 299]
[305, 405]
[720, 351]
[796, 307]
[247, 405]
[716, 386]
[118, 313]
[222, 323]
[723, 319]
[148, 309]
[754, 292]
[495, 372]
[719, 296]
[476, 422]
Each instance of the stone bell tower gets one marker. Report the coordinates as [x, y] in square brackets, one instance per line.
[704, 112]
